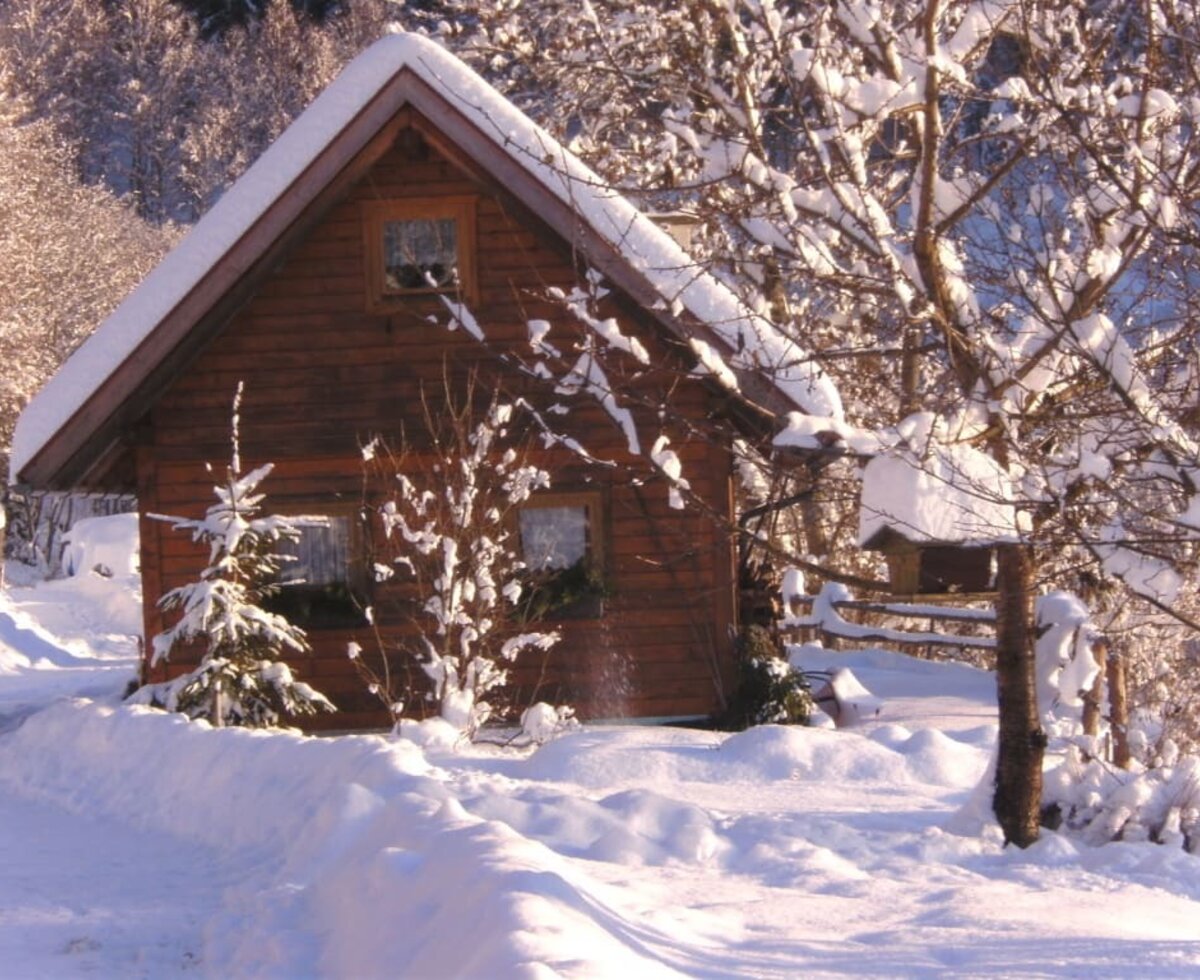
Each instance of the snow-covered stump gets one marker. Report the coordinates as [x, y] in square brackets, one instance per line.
[846, 700]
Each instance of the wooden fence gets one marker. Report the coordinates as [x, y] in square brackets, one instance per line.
[969, 636]
[37, 522]
[964, 630]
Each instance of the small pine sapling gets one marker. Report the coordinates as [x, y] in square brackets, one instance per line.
[241, 678]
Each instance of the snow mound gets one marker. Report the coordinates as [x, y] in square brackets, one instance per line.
[614, 851]
[105, 545]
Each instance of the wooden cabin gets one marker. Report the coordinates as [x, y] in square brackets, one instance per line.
[410, 231]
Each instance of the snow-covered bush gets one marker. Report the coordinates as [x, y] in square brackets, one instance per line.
[241, 679]
[1066, 668]
[1156, 798]
[1162, 658]
[769, 690]
[541, 722]
[1104, 804]
[448, 520]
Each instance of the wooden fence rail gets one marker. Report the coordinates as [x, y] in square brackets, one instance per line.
[833, 618]
[824, 617]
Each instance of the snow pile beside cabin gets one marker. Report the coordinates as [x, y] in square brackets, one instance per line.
[75, 636]
[751, 342]
[106, 545]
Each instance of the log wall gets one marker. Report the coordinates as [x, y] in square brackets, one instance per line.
[322, 376]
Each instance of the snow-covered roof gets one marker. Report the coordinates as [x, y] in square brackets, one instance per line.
[395, 71]
[952, 494]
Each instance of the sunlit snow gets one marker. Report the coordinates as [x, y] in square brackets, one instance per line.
[136, 843]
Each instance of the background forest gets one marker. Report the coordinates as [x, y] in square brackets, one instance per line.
[982, 217]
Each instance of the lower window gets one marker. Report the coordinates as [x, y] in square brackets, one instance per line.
[561, 545]
[320, 579]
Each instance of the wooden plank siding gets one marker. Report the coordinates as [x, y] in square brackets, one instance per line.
[322, 376]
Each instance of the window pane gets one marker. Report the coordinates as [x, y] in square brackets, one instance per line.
[553, 537]
[419, 254]
[321, 555]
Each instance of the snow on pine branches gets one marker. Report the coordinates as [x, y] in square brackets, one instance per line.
[241, 678]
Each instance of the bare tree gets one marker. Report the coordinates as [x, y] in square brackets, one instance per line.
[69, 253]
[984, 212]
[119, 83]
[449, 512]
[164, 112]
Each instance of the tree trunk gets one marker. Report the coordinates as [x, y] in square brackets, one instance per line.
[1093, 701]
[218, 709]
[1118, 707]
[1022, 743]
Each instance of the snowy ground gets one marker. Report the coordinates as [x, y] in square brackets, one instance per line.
[135, 844]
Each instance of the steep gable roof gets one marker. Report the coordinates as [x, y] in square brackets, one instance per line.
[77, 418]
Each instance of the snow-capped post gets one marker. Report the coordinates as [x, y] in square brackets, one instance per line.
[241, 678]
[1109, 688]
[1118, 710]
[451, 538]
[1093, 700]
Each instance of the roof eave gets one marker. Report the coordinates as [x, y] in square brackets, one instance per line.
[95, 427]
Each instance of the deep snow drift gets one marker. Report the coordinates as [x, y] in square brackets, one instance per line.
[138, 844]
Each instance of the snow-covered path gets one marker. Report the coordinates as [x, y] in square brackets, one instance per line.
[136, 844]
[83, 895]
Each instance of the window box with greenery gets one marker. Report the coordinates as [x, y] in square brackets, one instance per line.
[322, 581]
[419, 248]
[562, 538]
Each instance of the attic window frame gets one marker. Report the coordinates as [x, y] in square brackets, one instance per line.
[377, 214]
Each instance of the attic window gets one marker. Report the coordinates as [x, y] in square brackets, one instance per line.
[419, 254]
[419, 248]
